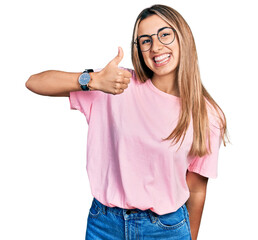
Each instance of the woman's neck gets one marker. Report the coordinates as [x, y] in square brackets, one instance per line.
[167, 84]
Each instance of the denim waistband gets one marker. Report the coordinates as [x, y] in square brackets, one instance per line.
[125, 213]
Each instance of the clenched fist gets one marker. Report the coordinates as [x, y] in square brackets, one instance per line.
[111, 79]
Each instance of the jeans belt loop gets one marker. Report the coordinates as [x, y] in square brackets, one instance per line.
[104, 209]
[153, 216]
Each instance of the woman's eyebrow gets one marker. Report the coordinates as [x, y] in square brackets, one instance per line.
[146, 35]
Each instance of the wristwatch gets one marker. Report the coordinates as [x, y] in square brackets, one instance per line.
[84, 79]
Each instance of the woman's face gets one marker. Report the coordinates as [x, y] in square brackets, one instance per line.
[161, 59]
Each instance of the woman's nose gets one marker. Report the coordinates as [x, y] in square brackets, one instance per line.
[156, 44]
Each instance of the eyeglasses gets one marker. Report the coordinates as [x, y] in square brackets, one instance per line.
[166, 36]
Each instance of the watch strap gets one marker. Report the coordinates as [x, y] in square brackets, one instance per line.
[88, 70]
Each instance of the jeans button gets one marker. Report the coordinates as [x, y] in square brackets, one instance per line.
[128, 212]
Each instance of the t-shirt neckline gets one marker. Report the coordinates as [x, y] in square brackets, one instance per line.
[155, 89]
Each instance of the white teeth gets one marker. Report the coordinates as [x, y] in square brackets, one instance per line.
[161, 58]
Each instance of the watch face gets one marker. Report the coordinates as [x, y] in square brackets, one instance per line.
[84, 79]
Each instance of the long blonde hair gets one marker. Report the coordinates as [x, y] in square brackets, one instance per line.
[193, 96]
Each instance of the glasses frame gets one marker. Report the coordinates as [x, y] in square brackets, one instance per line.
[150, 36]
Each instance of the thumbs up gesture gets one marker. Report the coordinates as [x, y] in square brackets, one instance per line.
[112, 79]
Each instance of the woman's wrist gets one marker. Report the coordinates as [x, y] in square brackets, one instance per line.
[92, 85]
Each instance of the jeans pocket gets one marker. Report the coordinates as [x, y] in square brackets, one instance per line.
[172, 220]
[94, 211]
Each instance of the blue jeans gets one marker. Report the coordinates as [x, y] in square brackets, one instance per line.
[106, 223]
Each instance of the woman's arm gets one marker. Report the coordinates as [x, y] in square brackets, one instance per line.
[54, 83]
[110, 79]
[197, 185]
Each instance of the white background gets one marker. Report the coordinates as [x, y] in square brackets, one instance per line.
[44, 188]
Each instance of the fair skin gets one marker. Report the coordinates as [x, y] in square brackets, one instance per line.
[164, 78]
[113, 80]
[197, 185]
[164, 74]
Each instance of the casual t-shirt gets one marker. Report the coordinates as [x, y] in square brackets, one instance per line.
[128, 164]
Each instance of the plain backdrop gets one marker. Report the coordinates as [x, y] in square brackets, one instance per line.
[44, 188]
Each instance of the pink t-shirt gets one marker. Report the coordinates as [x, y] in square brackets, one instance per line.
[128, 164]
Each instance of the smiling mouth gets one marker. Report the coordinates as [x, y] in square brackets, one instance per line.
[162, 58]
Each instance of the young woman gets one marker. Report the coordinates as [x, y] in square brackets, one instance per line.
[154, 133]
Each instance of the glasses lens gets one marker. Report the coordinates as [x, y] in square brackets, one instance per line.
[145, 43]
[166, 36]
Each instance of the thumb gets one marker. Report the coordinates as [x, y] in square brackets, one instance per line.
[119, 56]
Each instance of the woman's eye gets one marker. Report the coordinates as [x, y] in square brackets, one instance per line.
[145, 41]
[165, 34]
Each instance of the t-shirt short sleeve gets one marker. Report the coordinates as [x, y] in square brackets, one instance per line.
[83, 100]
[207, 165]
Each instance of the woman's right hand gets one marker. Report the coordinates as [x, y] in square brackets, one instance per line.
[111, 79]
